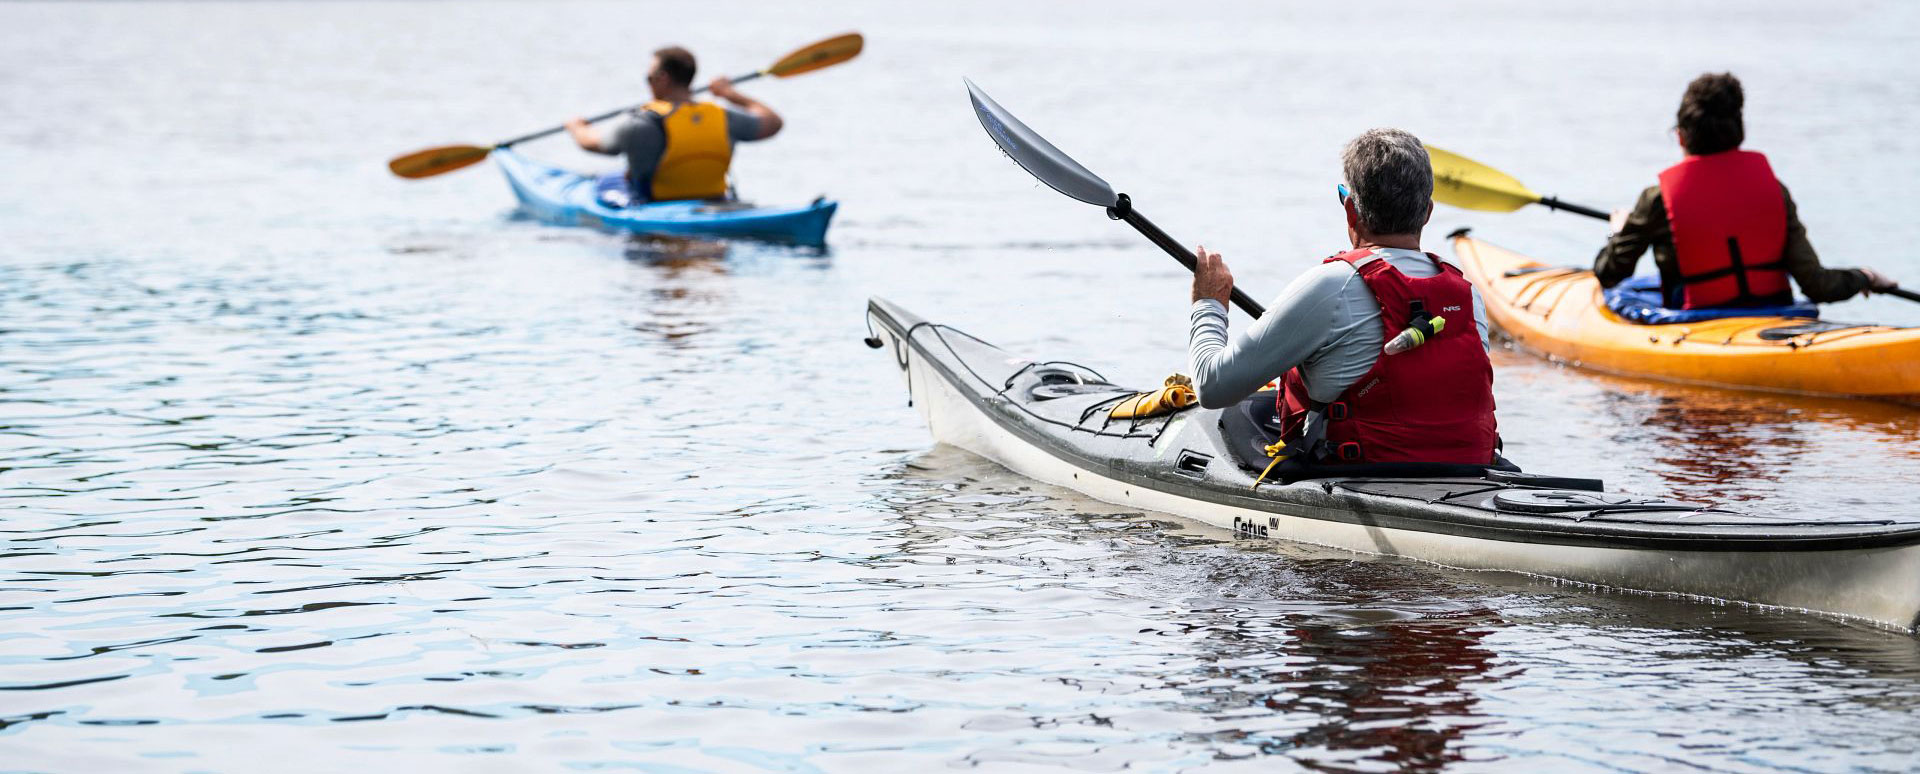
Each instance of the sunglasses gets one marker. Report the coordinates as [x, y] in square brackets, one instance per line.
[1341, 188]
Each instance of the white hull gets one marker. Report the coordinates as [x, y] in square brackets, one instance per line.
[1881, 585]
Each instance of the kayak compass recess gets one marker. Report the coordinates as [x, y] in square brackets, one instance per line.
[1061, 173]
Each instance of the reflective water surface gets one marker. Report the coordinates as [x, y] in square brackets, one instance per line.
[307, 468]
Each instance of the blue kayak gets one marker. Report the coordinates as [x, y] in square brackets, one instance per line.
[555, 195]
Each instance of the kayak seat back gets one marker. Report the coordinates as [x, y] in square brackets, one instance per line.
[1251, 425]
[611, 189]
[1638, 300]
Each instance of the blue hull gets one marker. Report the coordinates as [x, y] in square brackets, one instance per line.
[566, 198]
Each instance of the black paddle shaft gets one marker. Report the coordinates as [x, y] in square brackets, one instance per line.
[1122, 209]
[1555, 204]
[602, 117]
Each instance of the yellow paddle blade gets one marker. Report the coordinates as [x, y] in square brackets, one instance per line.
[826, 53]
[435, 161]
[1471, 185]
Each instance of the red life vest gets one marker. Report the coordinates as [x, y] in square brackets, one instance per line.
[1729, 222]
[1433, 403]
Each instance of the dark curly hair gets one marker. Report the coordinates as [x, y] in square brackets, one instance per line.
[1710, 114]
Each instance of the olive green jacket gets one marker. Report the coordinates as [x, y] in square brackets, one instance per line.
[1648, 227]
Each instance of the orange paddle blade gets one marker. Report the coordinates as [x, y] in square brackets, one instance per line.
[826, 53]
[435, 161]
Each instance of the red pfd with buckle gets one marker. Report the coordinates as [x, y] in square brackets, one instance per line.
[1433, 403]
[1729, 221]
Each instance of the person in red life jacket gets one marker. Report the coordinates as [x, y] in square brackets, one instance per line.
[1724, 232]
[1356, 386]
[676, 147]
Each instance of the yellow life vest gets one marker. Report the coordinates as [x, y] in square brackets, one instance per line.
[693, 165]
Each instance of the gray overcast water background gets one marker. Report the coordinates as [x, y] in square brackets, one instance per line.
[307, 468]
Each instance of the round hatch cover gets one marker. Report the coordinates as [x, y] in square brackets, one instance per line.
[1563, 500]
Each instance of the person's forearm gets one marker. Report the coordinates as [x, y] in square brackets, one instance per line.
[769, 121]
[1620, 255]
[1617, 259]
[1822, 285]
[1226, 370]
[1644, 226]
[1218, 378]
[586, 138]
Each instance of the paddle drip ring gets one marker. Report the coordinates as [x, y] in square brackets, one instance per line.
[1122, 207]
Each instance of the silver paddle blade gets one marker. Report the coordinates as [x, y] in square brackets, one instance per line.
[1037, 156]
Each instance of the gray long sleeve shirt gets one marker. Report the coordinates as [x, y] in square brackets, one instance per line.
[1326, 322]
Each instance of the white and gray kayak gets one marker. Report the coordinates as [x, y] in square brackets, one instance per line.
[1048, 421]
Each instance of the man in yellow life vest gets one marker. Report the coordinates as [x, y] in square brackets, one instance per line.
[677, 148]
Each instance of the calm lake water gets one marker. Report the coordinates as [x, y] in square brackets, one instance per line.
[309, 468]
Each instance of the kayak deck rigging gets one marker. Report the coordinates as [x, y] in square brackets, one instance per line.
[1099, 386]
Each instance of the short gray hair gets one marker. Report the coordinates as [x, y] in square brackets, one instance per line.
[1391, 180]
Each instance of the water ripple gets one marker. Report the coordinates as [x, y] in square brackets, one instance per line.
[304, 468]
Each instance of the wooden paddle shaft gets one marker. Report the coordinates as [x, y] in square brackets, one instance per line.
[1123, 210]
[605, 116]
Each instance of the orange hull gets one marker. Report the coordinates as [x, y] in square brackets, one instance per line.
[1559, 312]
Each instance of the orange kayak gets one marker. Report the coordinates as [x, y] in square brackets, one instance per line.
[1558, 312]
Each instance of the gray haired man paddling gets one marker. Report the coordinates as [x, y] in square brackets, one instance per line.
[1346, 396]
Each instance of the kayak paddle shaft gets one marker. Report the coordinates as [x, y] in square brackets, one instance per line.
[1123, 210]
[1555, 204]
[604, 116]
